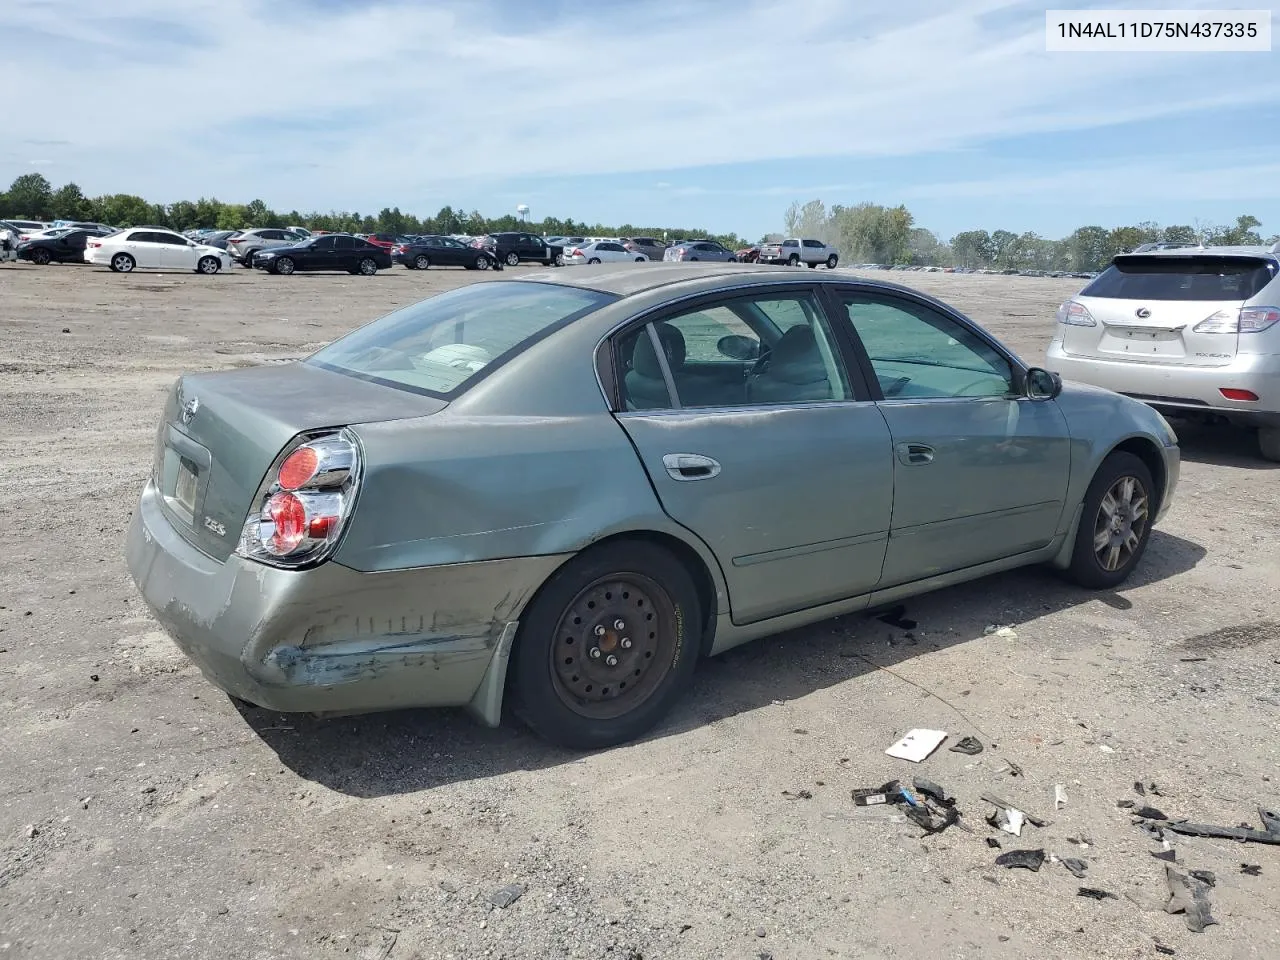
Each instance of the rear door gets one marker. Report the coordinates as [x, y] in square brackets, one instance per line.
[980, 471]
[146, 249]
[784, 469]
[345, 253]
[450, 251]
[1173, 309]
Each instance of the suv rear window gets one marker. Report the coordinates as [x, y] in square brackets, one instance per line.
[1185, 278]
[442, 345]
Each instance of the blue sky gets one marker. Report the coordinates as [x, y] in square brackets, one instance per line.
[711, 114]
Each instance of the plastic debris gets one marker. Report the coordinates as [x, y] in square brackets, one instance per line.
[1026, 859]
[1059, 796]
[1004, 633]
[1207, 877]
[1251, 869]
[1150, 813]
[993, 842]
[1168, 856]
[995, 801]
[970, 745]
[1166, 951]
[798, 795]
[1075, 866]
[504, 897]
[889, 793]
[930, 789]
[1227, 833]
[917, 744]
[1096, 894]
[1106, 748]
[1008, 819]
[1189, 897]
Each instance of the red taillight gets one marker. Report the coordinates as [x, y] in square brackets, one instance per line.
[289, 518]
[298, 468]
[95, 243]
[1231, 393]
[575, 252]
[304, 503]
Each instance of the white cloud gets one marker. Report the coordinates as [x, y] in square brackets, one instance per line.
[348, 105]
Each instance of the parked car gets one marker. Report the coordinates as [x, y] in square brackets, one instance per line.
[1195, 332]
[651, 247]
[216, 238]
[514, 248]
[571, 492]
[333, 251]
[433, 251]
[795, 251]
[243, 245]
[153, 248]
[602, 251]
[690, 250]
[384, 240]
[748, 254]
[26, 228]
[302, 231]
[63, 245]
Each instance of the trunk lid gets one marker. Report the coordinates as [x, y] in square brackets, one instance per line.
[1147, 308]
[221, 432]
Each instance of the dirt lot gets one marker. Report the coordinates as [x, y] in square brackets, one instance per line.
[143, 816]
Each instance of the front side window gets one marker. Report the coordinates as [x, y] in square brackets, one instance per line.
[324, 243]
[918, 353]
[734, 354]
[440, 345]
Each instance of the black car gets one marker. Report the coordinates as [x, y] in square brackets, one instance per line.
[513, 248]
[328, 252]
[64, 247]
[423, 252]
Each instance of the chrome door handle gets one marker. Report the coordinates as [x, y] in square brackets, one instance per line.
[690, 466]
[913, 454]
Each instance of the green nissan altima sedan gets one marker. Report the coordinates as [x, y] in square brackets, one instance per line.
[567, 490]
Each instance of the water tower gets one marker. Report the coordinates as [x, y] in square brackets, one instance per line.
[523, 210]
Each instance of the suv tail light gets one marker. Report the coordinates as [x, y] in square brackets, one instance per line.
[1076, 314]
[1244, 320]
[299, 512]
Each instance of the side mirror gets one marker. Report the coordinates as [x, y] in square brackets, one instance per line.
[737, 347]
[1043, 384]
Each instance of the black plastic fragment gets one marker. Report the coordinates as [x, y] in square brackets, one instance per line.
[870, 797]
[1150, 813]
[1168, 856]
[1026, 859]
[1205, 876]
[970, 745]
[993, 843]
[1270, 820]
[1167, 951]
[1095, 894]
[1227, 833]
[1190, 897]
[1251, 869]
[1075, 865]
[935, 791]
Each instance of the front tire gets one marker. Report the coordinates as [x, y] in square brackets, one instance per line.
[1115, 523]
[832, 261]
[1269, 443]
[40, 256]
[512, 259]
[284, 265]
[123, 263]
[367, 267]
[483, 262]
[594, 260]
[208, 266]
[582, 681]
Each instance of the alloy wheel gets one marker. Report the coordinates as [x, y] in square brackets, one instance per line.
[1120, 524]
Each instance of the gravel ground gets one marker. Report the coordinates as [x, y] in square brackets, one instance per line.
[143, 815]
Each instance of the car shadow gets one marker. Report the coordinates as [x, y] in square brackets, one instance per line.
[1220, 445]
[407, 751]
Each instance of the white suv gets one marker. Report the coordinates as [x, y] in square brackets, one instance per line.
[1194, 332]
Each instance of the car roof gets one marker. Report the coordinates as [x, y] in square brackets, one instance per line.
[628, 279]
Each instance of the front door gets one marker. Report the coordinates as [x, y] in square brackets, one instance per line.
[980, 471]
[176, 253]
[758, 441]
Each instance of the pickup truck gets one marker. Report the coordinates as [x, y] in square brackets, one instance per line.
[795, 251]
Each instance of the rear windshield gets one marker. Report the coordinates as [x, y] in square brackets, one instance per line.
[1182, 278]
[442, 345]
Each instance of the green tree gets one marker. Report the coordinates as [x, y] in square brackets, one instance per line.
[69, 203]
[233, 216]
[122, 210]
[1243, 233]
[973, 248]
[31, 195]
[1179, 234]
[182, 215]
[257, 215]
[926, 250]
[1087, 248]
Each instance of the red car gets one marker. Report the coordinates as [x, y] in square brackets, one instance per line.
[747, 254]
[384, 240]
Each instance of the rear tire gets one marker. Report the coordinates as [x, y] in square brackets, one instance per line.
[1269, 443]
[1115, 523]
[248, 259]
[40, 256]
[585, 704]
[832, 261]
[813, 266]
[123, 263]
[367, 267]
[793, 260]
[594, 260]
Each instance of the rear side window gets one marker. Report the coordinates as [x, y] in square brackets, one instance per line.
[442, 345]
[1182, 278]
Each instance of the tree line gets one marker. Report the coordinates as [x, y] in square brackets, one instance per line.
[869, 233]
[863, 233]
[32, 196]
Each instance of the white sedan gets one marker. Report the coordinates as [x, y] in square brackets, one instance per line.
[601, 251]
[154, 248]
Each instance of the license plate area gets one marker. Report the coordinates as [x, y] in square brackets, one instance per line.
[184, 489]
[1139, 342]
[184, 473]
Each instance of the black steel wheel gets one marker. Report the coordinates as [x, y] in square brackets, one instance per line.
[607, 646]
[1115, 523]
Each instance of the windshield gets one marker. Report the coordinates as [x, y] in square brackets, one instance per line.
[441, 345]
[1186, 278]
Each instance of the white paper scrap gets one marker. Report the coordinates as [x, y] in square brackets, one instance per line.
[917, 744]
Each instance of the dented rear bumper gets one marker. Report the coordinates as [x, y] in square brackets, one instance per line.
[332, 639]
